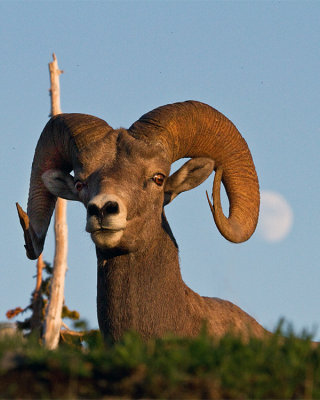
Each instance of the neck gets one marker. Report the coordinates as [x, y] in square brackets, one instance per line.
[142, 290]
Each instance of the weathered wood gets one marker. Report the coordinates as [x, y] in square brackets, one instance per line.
[37, 301]
[53, 316]
[55, 72]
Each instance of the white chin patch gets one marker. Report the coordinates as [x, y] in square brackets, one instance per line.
[106, 239]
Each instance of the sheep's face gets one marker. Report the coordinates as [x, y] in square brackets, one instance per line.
[124, 184]
[121, 183]
[124, 198]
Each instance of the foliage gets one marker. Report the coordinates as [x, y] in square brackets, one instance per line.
[38, 303]
[162, 368]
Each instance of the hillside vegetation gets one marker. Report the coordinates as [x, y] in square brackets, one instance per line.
[168, 368]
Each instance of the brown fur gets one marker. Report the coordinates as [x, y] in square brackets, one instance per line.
[139, 281]
[140, 286]
[144, 291]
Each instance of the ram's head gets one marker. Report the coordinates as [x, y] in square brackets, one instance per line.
[123, 176]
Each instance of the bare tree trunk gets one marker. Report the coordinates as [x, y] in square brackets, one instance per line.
[53, 316]
[37, 301]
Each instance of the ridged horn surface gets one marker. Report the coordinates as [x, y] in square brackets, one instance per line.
[59, 145]
[194, 129]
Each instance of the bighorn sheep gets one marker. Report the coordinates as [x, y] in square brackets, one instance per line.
[123, 179]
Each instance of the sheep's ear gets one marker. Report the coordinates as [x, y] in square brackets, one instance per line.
[60, 184]
[189, 176]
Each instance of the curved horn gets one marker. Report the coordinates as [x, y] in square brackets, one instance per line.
[194, 129]
[64, 136]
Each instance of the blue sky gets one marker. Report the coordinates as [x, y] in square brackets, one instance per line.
[257, 62]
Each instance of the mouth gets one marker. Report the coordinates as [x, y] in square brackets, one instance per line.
[108, 230]
[97, 229]
[107, 238]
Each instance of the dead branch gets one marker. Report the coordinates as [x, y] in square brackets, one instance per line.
[53, 316]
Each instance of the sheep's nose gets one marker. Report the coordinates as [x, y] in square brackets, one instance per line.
[107, 212]
[109, 208]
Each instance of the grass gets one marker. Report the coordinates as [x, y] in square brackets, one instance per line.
[200, 368]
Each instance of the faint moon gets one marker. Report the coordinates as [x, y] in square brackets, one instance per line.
[276, 217]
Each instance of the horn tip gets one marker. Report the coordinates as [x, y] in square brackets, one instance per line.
[23, 216]
[210, 204]
[32, 252]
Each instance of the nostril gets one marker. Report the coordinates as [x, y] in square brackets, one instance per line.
[111, 207]
[93, 210]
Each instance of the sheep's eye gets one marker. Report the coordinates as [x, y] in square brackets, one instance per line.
[158, 179]
[79, 186]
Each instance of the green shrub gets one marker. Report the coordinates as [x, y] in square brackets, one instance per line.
[162, 368]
